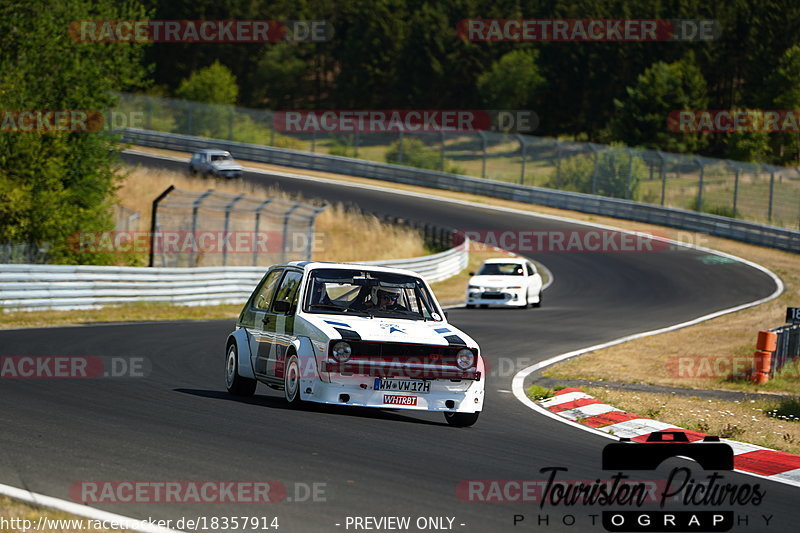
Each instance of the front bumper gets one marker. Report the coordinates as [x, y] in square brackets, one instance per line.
[503, 297]
[466, 395]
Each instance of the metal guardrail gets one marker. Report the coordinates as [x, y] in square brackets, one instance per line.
[64, 287]
[739, 230]
[787, 347]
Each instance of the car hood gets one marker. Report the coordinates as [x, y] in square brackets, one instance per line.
[390, 329]
[497, 281]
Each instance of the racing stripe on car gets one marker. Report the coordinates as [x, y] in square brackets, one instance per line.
[348, 334]
[455, 340]
[442, 330]
[334, 323]
[574, 404]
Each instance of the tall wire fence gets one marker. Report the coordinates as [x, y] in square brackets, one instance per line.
[761, 193]
[212, 228]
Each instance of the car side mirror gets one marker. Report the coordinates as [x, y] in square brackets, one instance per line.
[281, 307]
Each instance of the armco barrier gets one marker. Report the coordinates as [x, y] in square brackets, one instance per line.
[738, 230]
[62, 287]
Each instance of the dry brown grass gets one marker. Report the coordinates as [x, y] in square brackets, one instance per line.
[743, 421]
[11, 510]
[343, 235]
[133, 312]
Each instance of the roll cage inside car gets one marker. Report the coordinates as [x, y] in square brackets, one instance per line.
[346, 291]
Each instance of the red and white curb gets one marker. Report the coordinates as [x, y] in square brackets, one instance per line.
[577, 406]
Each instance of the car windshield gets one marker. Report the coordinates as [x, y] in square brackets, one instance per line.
[221, 157]
[501, 269]
[369, 293]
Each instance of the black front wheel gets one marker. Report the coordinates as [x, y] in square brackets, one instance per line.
[461, 420]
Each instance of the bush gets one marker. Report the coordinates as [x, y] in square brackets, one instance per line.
[720, 210]
[613, 166]
[341, 147]
[415, 154]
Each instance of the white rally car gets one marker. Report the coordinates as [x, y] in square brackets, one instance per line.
[357, 335]
[505, 281]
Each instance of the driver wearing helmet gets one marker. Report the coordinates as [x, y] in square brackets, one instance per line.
[385, 298]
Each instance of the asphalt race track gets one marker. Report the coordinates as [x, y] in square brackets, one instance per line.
[179, 424]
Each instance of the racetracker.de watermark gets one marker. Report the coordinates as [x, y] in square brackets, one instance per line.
[203, 492]
[73, 367]
[572, 241]
[716, 366]
[588, 30]
[195, 242]
[733, 120]
[200, 31]
[404, 120]
[67, 120]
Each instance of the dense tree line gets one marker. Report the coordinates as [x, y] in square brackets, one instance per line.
[407, 54]
[384, 54]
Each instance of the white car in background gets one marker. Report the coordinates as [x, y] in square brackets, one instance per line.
[354, 335]
[506, 281]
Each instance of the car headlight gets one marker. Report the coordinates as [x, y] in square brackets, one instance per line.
[465, 359]
[341, 351]
[516, 287]
[473, 287]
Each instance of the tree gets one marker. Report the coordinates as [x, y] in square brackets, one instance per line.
[785, 82]
[614, 172]
[641, 119]
[54, 185]
[215, 86]
[748, 145]
[511, 81]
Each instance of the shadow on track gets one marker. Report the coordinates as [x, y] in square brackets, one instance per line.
[277, 402]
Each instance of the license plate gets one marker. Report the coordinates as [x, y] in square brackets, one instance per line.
[403, 385]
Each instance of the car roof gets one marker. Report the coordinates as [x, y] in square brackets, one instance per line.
[517, 260]
[211, 151]
[313, 265]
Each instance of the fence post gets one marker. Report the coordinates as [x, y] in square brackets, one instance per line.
[310, 235]
[441, 152]
[663, 176]
[558, 165]
[483, 144]
[735, 189]
[400, 148]
[522, 147]
[195, 208]
[594, 170]
[286, 216]
[154, 221]
[628, 192]
[313, 141]
[230, 123]
[700, 186]
[228, 209]
[149, 113]
[771, 193]
[258, 222]
[356, 142]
